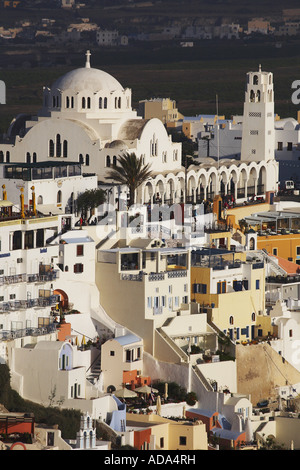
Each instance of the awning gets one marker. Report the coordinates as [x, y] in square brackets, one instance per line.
[47, 209]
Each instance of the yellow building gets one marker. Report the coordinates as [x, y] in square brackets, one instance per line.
[285, 246]
[232, 292]
[154, 432]
[161, 108]
[278, 232]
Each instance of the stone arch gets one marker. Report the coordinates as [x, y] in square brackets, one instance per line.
[64, 299]
[252, 181]
[242, 183]
[212, 184]
[261, 180]
[148, 192]
[191, 187]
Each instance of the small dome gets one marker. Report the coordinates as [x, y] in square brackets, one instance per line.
[116, 144]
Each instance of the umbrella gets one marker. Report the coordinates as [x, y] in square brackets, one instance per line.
[158, 406]
[146, 389]
[125, 393]
[166, 391]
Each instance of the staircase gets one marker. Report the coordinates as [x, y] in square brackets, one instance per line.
[94, 371]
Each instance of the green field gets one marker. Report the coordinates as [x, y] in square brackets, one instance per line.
[191, 76]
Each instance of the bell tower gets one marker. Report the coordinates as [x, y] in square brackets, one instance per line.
[258, 136]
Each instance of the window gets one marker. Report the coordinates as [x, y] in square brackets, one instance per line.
[78, 268]
[290, 333]
[182, 440]
[108, 161]
[59, 197]
[83, 103]
[279, 146]
[79, 250]
[290, 146]
[161, 442]
[257, 283]
[149, 302]
[298, 250]
[51, 148]
[58, 146]
[221, 287]
[65, 149]
[112, 353]
[199, 288]
[87, 159]
[231, 320]
[275, 251]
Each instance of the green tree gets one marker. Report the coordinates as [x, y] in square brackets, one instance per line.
[89, 200]
[131, 172]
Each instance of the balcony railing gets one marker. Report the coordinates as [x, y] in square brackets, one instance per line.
[51, 276]
[30, 303]
[15, 279]
[12, 334]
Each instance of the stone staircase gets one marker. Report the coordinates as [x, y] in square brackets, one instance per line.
[94, 371]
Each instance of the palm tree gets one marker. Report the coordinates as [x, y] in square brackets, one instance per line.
[131, 172]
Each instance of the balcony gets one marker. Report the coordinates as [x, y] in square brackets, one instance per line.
[15, 279]
[30, 303]
[46, 277]
[6, 335]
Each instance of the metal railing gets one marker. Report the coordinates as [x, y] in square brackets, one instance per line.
[29, 303]
[6, 335]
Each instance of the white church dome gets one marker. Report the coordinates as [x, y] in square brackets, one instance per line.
[87, 79]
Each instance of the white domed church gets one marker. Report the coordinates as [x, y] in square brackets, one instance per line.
[87, 117]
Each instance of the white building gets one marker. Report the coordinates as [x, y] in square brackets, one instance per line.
[55, 186]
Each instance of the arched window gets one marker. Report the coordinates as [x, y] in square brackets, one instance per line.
[53, 102]
[253, 316]
[51, 148]
[116, 102]
[28, 157]
[119, 103]
[114, 160]
[34, 157]
[59, 197]
[58, 146]
[255, 80]
[89, 102]
[81, 158]
[1, 156]
[108, 161]
[67, 102]
[7, 157]
[258, 95]
[100, 102]
[252, 96]
[105, 103]
[72, 102]
[231, 320]
[83, 103]
[40, 200]
[87, 159]
[65, 149]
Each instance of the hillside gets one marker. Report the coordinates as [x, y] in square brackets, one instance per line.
[260, 370]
